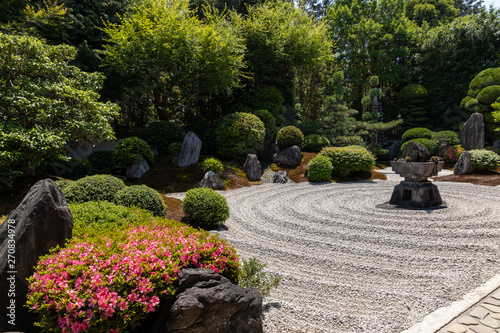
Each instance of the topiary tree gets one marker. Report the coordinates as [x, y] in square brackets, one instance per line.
[315, 142]
[142, 196]
[484, 97]
[320, 169]
[412, 100]
[289, 136]
[92, 188]
[239, 134]
[417, 133]
[45, 103]
[205, 207]
[129, 151]
[160, 134]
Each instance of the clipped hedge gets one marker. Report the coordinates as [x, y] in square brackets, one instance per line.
[92, 188]
[350, 158]
[315, 142]
[289, 136]
[142, 196]
[417, 133]
[129, 151]
[212, 164]
[206, 207]
[269, 122]
[449, 137]
[483, 159]
[160, 134]
[239, 134]
[111, 282]
[319, 169]
[431, 145]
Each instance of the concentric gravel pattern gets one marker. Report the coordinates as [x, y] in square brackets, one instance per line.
[348, 266]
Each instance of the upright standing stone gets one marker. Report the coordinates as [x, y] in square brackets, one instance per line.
[190, 151]
[472, 133]
[464, 164]
[252, 167]
[40, 222]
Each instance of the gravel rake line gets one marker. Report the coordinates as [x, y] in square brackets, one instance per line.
[348, 266]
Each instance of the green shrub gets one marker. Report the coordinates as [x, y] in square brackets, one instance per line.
[205, 207]
[252, 275]
[417, 133]
[350, 158]
[173, 150]
[319, 169]
[488, 95]
[308, 128]
[63, 183]
[212, 164]
[431, 145]
[269, 122]
[483, 159]
[142, 196]
[160, 134]
[289, 136]
[315, 142]
[239, 134]
[130, 150]
[74, 168]
[344, 141]
[94, 218]
[381, 153]
[453, 154]
[93, 188]
[101, 161]
[493, 149]
[448, 137]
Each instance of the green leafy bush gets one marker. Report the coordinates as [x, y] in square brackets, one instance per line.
[160, 134]
[315, 142]
[99, 217]
[449, 137]
[319, 169]
[63, 183]
[174, 149]
[269, 122]
[101, 161]
[130, 150]
[142, 196]
[289, 136]
[205, 207]
[493, 149]
[417, 133]
[350, 158]
[380, 153]
[110, 282]
[212, 164]
[452, 154]
[483, 159]
[93, 188]
[344, 141]
[252, 275]
[73, 168]
[431, 145]
[239, 134]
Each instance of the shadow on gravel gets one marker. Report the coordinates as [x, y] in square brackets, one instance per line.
[268, 306]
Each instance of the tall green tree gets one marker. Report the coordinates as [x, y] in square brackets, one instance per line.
[163, 52]
[45, 103]
[431, 12]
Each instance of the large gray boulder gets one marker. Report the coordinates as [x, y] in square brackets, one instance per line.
[40, 222]
[210, 303]
[291, 156]
[472, 133]
[252, 167]
[190, 151]
[416, 152]
[138, 170]
[464, 164]
[212, 180]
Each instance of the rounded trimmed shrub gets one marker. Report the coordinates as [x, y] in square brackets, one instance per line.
[452, 154]
[449, 137]
[130, 150]
[431, 145]
[205, 207]
[319, 169]
[289, 136]
[101, 161]
[350, 158]
[142, 196]
[212, 164]
[269, 122]
[315, 142]
[239, 134]
[417, 133]
[63, 183]
[160, 134]
[93, 188]
[483, 159]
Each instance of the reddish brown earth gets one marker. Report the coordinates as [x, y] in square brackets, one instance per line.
[488, 178]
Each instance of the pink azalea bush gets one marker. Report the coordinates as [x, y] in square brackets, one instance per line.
[109, 283]
[493, 149]
[453, 154]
